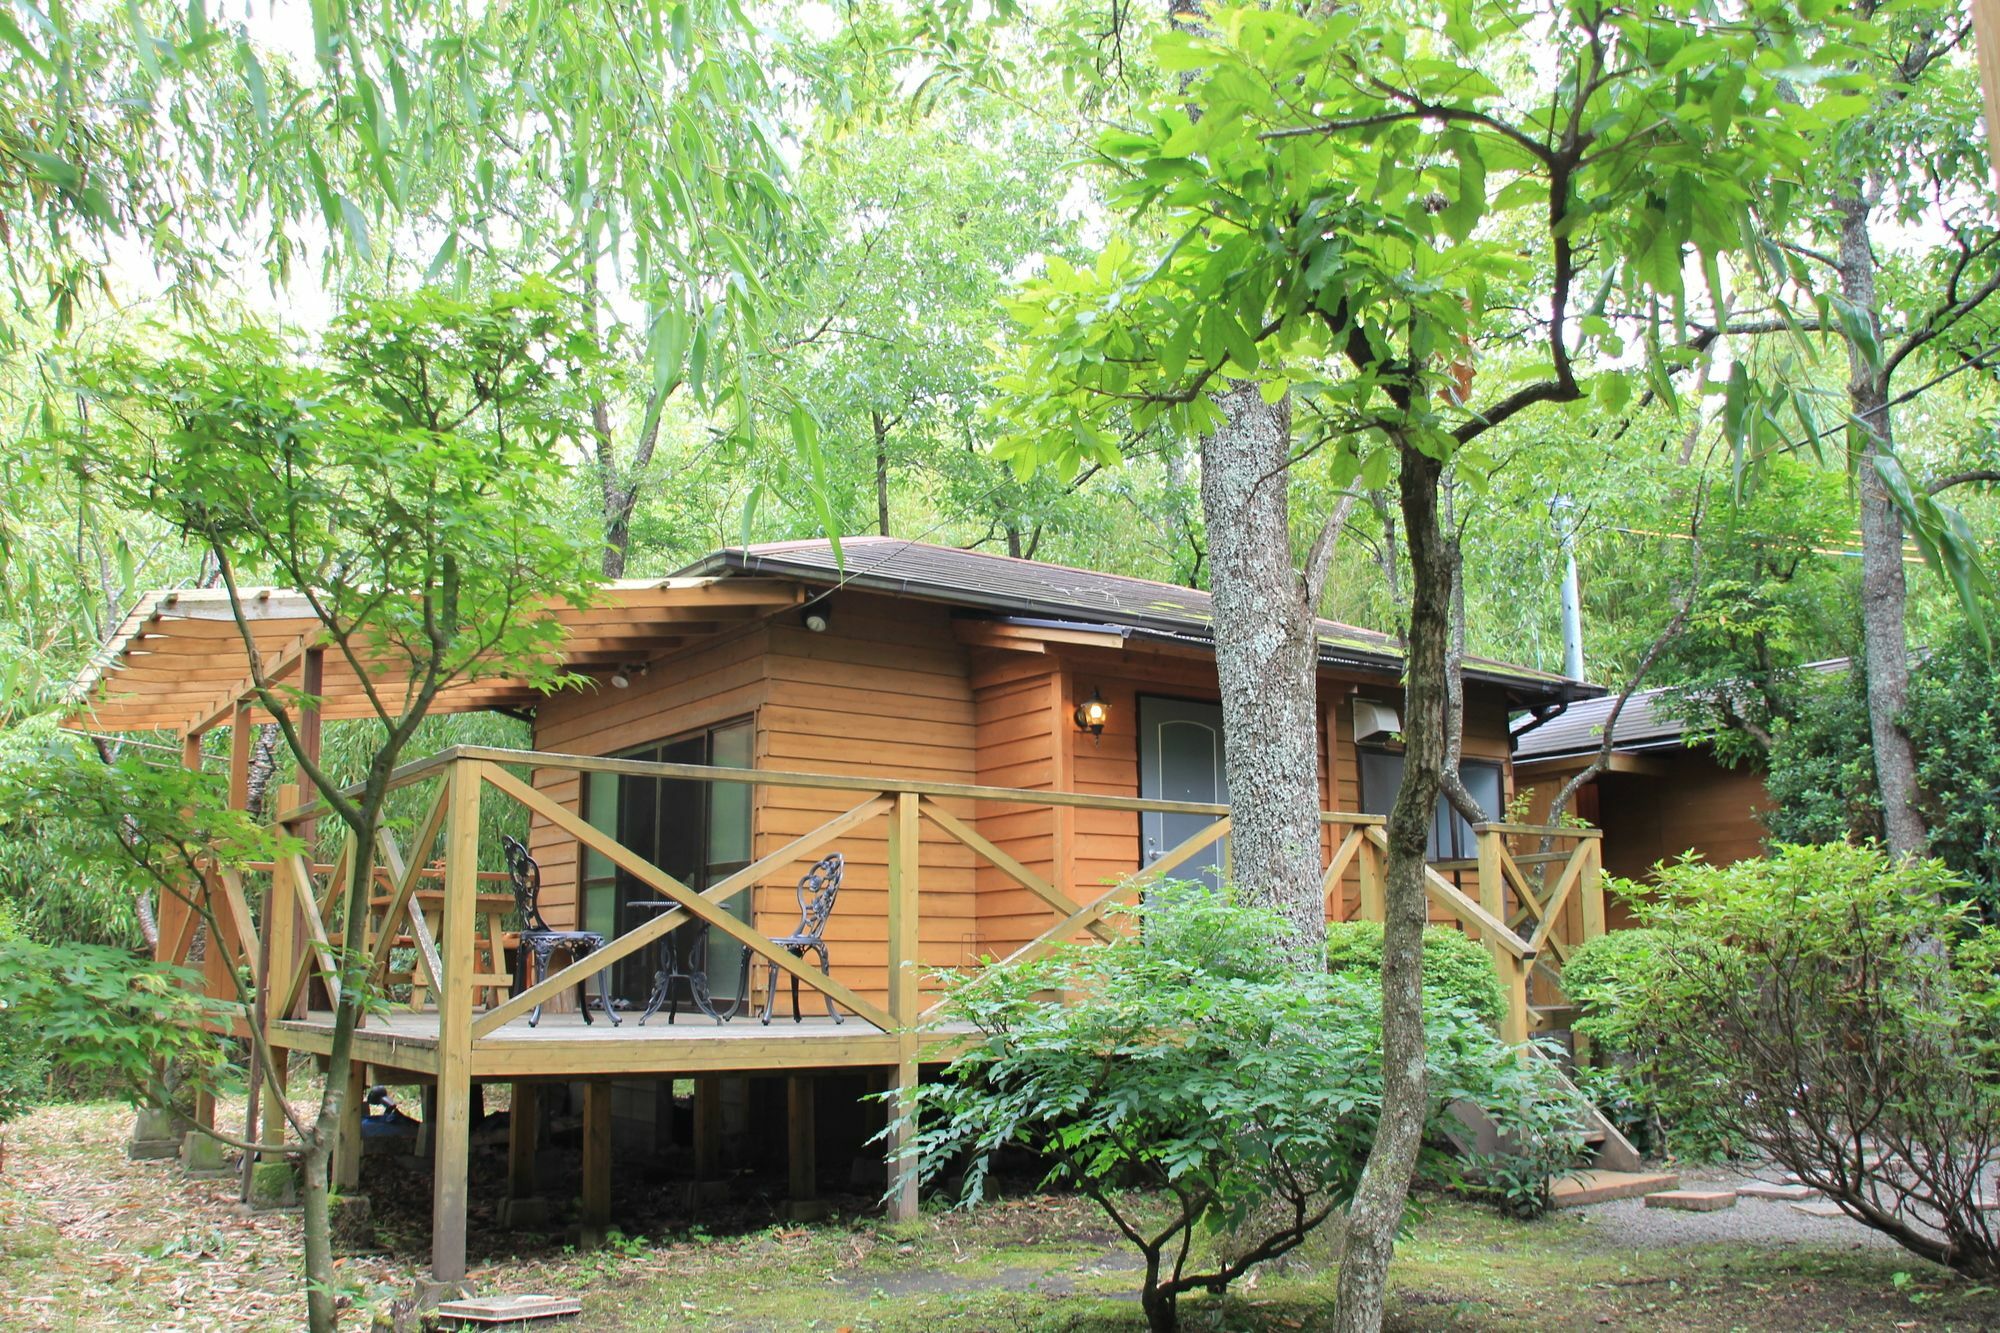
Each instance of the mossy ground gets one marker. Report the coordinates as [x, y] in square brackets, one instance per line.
[91, 1241]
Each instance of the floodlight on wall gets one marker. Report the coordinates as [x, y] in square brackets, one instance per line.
[816, 620]
[622, 677]
[1092, 714]
[1375, 721]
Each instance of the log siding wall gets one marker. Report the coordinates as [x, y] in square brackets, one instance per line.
[889, 689]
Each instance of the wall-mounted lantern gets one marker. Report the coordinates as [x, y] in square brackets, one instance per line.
[1092, 714]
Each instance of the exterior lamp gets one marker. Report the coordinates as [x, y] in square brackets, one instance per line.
[1092, 714]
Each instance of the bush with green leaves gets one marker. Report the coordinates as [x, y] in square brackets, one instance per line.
[112, 1016]
[1217, 1105]
[1838, 1011]
[1456, 970]
[1608, 978]
[24, 1061]
[1821, 771]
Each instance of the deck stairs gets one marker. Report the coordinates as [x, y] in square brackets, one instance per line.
[1611, 1153]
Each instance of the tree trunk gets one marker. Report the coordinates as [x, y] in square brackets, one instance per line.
[881, 474]
[1265, 660]
[1885, 652]
[321, 1316]
[1377, 1210]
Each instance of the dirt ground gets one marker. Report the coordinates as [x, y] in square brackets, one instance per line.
[89, 1240]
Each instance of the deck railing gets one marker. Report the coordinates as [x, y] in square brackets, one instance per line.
[1535, 891]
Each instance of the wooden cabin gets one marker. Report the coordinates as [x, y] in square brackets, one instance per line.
[999, 748]
[1658, 798]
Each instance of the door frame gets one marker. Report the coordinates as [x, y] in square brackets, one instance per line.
[1153, 839]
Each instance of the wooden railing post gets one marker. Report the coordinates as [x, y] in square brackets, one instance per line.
[274, 970]
[1374, 889]
[1591, 887]
[905, 851]
[453, 1136]
[1513, 970]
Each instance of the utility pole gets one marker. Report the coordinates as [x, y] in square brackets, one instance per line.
[1560, 509]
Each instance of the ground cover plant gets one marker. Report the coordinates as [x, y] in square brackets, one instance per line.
[1836, 1010]
[1216, 1105]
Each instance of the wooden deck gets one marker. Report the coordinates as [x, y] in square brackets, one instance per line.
[453, 1020]
[562, 1045]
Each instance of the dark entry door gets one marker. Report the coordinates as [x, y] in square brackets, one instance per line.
[696, 831]
[1180, 759]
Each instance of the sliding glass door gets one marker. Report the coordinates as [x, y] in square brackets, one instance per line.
[696, 831]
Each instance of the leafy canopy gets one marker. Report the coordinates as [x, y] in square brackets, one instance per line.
[406, 477]
[1357, 205]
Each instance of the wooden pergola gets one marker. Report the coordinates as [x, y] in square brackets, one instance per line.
[180, 661]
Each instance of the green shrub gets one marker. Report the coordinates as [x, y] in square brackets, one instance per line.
[1837, 1010]
[24, 1062]
[1609, 978]
[1821, 771]
[1455, 969]
[1202, 1093]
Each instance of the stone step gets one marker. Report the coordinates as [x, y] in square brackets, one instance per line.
[1759, 1189]
[1693, 1201]
[1584, 1188]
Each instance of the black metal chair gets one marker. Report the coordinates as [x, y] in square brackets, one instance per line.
[817, 892]
[539, 941]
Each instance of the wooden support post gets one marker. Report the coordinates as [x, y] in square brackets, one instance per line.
[802, 1150]
[279, 943]
[239, 758]
[707, 1128]
[524, 1132]
[347, 1147]
[595, 1217]
[312, 681]
[451, 1143]
[902, 1172]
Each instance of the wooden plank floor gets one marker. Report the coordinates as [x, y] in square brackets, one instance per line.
[563, 1045]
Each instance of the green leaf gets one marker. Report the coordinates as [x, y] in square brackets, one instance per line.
[56, 170]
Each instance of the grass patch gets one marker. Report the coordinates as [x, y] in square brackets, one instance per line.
[90, 1241]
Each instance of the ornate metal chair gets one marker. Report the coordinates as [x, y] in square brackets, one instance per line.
[539, 942]
[817, 892]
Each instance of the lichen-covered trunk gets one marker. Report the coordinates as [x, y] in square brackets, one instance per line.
[1377, 1209]
[1265, 656]
[1884, 591]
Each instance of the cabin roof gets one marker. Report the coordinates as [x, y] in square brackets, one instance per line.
[1007, 586]
[179, 662]
[1647, 722]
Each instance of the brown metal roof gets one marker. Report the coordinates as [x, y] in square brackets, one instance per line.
[1009, 586]
[178, 662]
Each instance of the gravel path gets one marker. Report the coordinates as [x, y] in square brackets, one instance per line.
[1629, 1222]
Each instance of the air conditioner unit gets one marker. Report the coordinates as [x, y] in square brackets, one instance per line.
[1375, 721]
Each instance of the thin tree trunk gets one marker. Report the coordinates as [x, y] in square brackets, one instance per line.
[1265, 661]
[1452, 780]
[881, 473]
[1884, 592]
[1392, 576]
[1377, 1209]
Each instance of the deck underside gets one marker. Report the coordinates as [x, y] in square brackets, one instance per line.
[562, 1045]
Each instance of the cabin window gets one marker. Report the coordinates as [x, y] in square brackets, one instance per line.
[696, 831]
[1451, 835]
